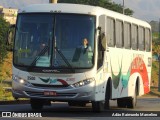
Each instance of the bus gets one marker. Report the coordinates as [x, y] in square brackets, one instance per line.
[51, 64]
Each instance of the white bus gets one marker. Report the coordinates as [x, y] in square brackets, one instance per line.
[52, 63]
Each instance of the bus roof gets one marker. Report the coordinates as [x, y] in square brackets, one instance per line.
[81, 9]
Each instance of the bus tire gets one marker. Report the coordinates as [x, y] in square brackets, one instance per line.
[36, 104]
[71, 104]
[132, 101]
[107, 97]
[121, 102]
[98, 106]
[80, 104]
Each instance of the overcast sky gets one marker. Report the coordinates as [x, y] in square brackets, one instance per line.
[143, 9]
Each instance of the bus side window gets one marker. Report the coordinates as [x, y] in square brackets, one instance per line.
[127, 35]
[134, 40]
[110, 32]
[141, 43]
[119, 34]
[147, 40]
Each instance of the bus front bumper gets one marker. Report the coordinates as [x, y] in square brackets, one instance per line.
[70, 93]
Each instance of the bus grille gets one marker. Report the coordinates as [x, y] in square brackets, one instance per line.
[50, 86]
[41, 94]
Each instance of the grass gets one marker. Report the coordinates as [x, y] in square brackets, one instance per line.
[154, 74]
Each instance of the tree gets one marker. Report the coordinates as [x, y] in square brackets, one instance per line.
[4, 26]
[102, 3]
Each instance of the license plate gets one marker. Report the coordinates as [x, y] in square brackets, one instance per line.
[50, 93]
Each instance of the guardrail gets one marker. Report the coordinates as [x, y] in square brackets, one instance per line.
[7, 89]
[7, 82]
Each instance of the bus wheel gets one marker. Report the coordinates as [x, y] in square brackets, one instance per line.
[131, 102]
[121, 103]
[98, 106]
[107, 97]
[36, 104]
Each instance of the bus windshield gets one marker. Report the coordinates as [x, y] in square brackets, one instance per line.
[54, 40]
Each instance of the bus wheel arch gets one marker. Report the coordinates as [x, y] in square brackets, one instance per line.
[98, 106]
[132, 101]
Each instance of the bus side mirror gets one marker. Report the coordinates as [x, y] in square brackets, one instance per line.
[102, 39]
[99, 28]
[10, 37]
[103, 42]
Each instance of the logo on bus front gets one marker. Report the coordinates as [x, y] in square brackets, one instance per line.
[54, 81]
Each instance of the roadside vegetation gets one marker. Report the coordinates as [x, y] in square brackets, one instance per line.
[102, 3]
[5, 62]
[155, 65]
[5, 77]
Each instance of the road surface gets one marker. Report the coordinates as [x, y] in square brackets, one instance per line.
[63, 111]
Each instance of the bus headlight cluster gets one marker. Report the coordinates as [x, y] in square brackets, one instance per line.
[21, 81]
[83, 82]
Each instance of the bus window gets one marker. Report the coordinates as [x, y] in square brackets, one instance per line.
[134, 37]
[141, 45]
[147, 40]
[110, 32]
[127, 35]
[119, 34]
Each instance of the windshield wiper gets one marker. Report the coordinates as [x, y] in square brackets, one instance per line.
[42, 52]
[64, 58]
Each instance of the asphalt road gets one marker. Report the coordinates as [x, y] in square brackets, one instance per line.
[63, 111]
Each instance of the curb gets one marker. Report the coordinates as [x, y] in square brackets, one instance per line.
[14, 102]
[141, 97]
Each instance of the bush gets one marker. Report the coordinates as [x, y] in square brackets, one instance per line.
[4, 27]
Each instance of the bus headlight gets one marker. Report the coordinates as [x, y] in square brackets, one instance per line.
[83, 82]
[21, 81]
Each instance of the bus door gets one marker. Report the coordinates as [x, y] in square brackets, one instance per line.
[101, 45]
